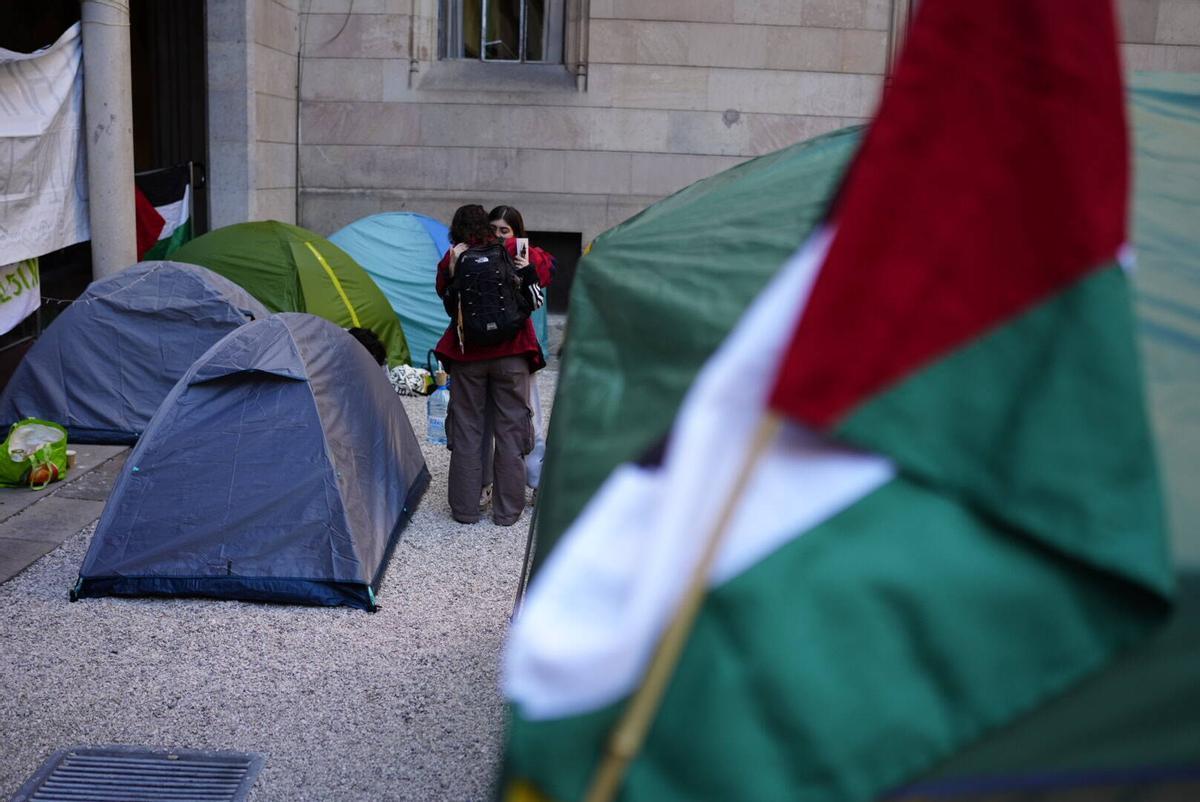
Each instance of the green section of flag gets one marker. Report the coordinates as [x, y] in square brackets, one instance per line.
[169, 244]
[855, 657]
[1041, 425]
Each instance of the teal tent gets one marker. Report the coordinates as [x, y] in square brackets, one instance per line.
[400, 251]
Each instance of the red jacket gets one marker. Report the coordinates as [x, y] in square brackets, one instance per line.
[524, 343]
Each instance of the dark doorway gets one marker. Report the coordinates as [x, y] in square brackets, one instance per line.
[170, 91]
[566, 248]
[26, 28]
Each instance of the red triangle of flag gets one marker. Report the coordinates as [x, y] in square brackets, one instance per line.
[149, 222]
[994, 174]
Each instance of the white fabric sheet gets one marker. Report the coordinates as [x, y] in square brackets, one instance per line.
[43, 172]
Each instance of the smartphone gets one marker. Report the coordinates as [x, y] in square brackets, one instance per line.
[523, 247]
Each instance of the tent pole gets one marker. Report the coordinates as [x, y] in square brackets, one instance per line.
[526, 564]
[630, 732]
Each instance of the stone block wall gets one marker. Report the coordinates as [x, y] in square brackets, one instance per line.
[252, 92]
[276, 47]
[1162, 35]
[673, 91]
[654, 94]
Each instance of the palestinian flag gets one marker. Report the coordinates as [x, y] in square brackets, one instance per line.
[939, 506]
[169, 190]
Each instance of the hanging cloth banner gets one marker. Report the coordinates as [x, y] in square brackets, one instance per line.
[43, 191]
[20, 293]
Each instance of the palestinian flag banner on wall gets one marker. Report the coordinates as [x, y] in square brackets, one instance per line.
[935, 509]
[169, 190]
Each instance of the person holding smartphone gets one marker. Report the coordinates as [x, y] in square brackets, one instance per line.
[508, 224]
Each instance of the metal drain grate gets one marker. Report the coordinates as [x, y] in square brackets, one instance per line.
[138, 774]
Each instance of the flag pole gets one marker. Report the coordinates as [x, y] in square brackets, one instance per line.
[630, 731]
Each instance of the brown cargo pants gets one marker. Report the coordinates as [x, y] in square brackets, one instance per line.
[503, 385]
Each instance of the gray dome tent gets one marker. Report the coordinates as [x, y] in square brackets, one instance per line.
[281, 467]
[105, 364]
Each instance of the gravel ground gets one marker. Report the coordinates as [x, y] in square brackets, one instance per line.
[345, 705]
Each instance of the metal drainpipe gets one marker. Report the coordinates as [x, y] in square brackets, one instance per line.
[108, 110]
[414, 64]
[583, 26]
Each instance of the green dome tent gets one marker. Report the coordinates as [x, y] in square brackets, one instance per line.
[654, 298]
[292, 269]
[657, 294]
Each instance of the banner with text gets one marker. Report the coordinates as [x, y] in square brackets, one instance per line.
[20, 293]
[43, 191]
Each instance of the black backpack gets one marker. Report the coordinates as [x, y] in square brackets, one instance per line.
[486, 296]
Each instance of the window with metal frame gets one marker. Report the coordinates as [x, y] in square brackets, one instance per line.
[503, 30]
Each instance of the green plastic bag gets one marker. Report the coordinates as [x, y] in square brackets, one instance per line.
[34, 454]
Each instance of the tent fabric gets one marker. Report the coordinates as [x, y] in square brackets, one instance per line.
[1165, 113]
[659, 292]
[106, 363]
[400, 250]
[292, 269]
[1143, 711]
[281, 467]
[655, 297]
[622, 380]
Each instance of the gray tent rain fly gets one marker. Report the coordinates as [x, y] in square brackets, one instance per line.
[282, 467]
[106, 363]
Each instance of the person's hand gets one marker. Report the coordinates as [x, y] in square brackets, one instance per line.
[521, 261]
[457, 250]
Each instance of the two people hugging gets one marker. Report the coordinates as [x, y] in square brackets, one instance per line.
[490, 281]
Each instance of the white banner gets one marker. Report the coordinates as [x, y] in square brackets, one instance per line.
[43, 172]
[20, 293]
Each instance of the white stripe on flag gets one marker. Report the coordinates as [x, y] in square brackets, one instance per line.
[592, 617]
[175, 214]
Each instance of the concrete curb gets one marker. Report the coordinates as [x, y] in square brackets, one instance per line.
[34, 523]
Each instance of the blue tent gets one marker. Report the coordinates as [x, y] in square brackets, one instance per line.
[281, 467]
[105, 364]
[400, 250]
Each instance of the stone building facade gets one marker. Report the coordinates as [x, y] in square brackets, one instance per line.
[322, 111]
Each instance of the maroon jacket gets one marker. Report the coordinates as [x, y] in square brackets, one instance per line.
[524, 343]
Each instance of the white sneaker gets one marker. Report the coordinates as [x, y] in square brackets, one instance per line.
[485, 498]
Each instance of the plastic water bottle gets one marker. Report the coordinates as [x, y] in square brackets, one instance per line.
[436, 406]
[533, 463]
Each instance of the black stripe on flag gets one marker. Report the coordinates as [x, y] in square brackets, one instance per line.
[164, 186]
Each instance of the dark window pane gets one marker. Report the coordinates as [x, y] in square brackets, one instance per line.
[502, 34]
[535, 30]
[472, 18]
